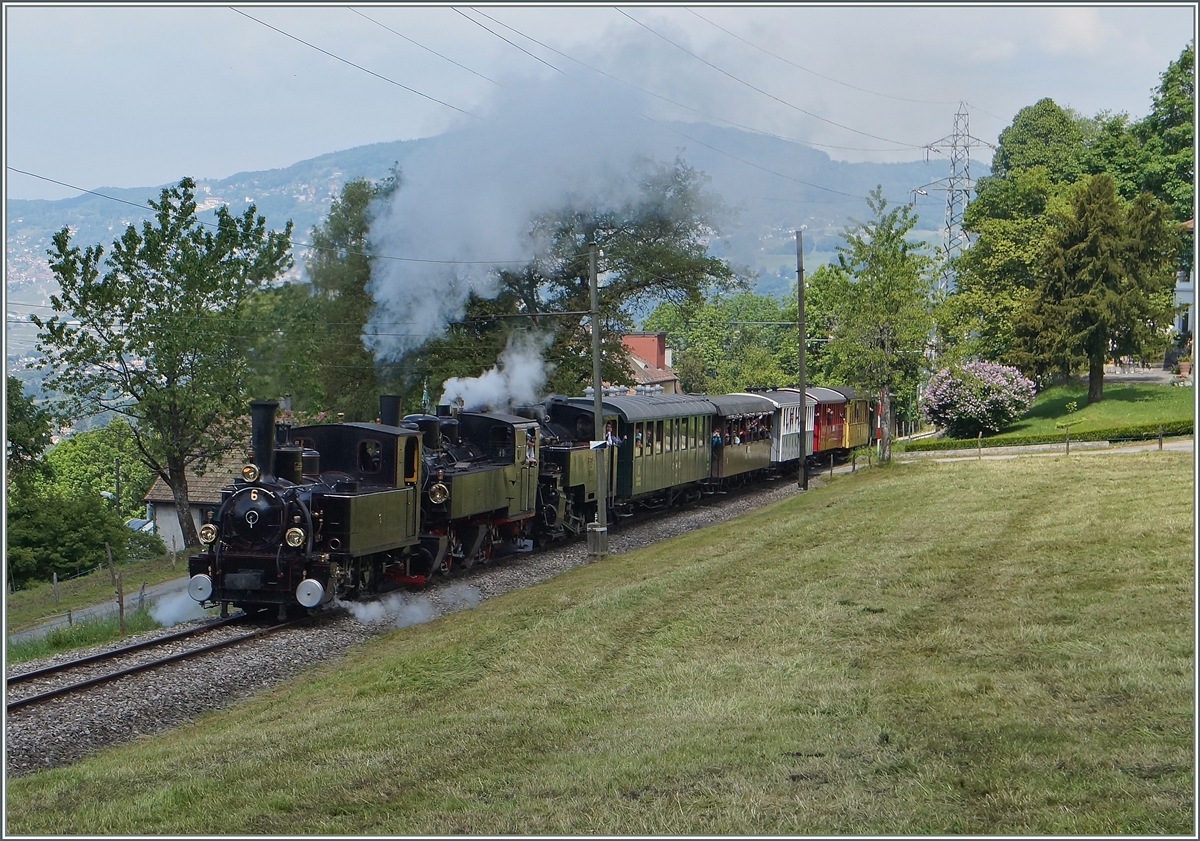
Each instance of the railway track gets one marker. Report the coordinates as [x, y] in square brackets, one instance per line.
[45, 684]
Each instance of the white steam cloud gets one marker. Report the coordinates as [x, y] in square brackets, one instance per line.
[400, 610]
[174, 608]
[470, 199]
[517, 378]
[459, 596]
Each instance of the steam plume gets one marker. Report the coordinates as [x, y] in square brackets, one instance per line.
[516, 379]
[473, 196]
[174, 608]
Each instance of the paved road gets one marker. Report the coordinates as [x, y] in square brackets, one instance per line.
[169, 599]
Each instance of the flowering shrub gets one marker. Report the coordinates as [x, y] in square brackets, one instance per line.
[977, 397]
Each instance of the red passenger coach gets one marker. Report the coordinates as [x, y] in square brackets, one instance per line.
[829, 420]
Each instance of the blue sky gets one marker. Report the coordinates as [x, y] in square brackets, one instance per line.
[142, 95]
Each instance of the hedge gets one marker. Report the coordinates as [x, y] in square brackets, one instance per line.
[1135, 432]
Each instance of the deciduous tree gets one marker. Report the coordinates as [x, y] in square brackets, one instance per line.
[155, 331]
[27, 432]
[882, 312]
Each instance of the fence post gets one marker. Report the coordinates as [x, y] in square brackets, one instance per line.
[121, 602]
[1160, 436]
[54, 579]
[853, 459]
[70, 618]
[979, 445]
[1068, 440]
[831, 465]
[142, 596]
[112, 573]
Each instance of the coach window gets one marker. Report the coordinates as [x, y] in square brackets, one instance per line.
[638, 429]
[685, 434]
[370, 456]
[658, 437]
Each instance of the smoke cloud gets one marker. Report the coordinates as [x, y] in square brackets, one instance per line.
[517, 378]
[470, 199]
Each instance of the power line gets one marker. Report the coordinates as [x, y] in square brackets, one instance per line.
[672, 101]
[427, 49]
[505, 40]
[357, 66]
[900, 143]
[814, 72]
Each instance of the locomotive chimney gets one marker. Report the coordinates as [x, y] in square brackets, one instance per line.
[262, 435]
[389, 409]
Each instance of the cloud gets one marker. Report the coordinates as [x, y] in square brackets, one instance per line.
[1076, 30]
[989, 51]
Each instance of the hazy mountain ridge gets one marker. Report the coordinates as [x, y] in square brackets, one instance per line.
[765, 186]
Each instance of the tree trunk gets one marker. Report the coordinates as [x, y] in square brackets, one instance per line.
[885, 426]
[1095, 380]
[177, 482]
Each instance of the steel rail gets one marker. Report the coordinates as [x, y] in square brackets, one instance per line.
[117, 652]
[141, 667]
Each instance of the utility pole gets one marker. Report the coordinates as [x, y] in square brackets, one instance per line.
[801, 357]
[598, 546]
[117, 474]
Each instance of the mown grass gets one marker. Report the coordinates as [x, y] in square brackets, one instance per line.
[33, 605]
[82, 634]
[1124, 404]
[988, 647]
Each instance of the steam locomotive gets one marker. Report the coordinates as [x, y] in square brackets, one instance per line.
[347, 510]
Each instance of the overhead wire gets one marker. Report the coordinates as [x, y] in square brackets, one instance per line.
[357, 66]
[667, 126]
[675, 102]
[900, 143]
[517, 46]
[814, 72]
[427, 49]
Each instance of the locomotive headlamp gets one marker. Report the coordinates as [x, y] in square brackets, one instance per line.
[208, 533]
[294, 537]
[439, 493]
[250, 473]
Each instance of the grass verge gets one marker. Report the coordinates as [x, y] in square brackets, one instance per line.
[981, 647]
[80, 635]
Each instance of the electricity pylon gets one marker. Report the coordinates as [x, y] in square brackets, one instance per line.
[958, 186]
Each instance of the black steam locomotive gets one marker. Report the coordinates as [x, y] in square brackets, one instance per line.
[347, 510]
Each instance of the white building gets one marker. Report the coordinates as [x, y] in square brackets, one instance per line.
[1185, 295]
[204, 496]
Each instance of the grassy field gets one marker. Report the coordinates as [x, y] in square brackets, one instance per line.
[33, 605]
[981, 647]
[1124, 404]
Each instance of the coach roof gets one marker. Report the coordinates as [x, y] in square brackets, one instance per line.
[636, 408]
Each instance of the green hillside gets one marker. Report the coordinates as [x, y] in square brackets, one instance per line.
[988, 647]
